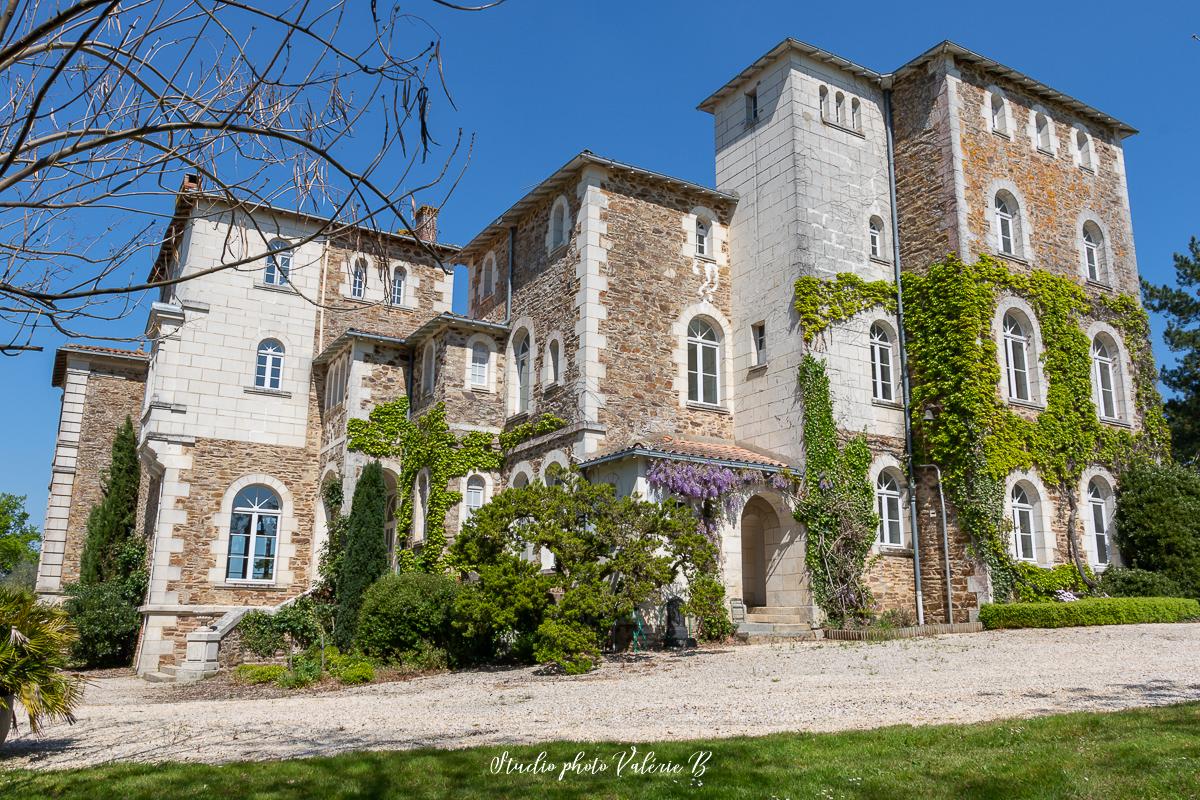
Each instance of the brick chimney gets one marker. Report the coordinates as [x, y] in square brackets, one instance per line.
[426, 224]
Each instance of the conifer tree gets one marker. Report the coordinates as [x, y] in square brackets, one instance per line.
[112, 524]
[1181, 306]
[364, 550]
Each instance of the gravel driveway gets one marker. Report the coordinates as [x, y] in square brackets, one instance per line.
[757, 689]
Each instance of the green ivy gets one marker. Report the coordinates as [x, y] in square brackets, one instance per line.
[820, 304]
[976, 438]
[836, 506]
[424, 443]
[546, 423]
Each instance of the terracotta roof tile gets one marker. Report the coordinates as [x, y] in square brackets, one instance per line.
[692, 448]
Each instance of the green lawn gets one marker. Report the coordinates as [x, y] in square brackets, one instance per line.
[1149, 753]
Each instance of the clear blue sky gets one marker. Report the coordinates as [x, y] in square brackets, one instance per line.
[539, 80]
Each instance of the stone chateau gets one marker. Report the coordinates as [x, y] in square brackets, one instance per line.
[654, 315]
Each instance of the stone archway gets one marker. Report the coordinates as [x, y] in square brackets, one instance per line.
[760, 541]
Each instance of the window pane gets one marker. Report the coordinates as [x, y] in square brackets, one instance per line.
[709, 363]
[264, 547]
[239, 545]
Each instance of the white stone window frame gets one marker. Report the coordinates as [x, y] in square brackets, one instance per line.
[1051, 130]
[716, 236]
[263, 337]
[1091, 165]
[278, 268]
[886, 463]
[560, 226]
[888, 329]
[352, 277]
[1033, 360]
[1124, 377]
[877, 240]
[679, 331]
[1106, 268]
[1022, 235]
[487, 275]
[429, 368]
[489, 383]
[464, 489]
[1042, 514]
[548, 361]
[404, 299]
[524, 325]
[521, 468]
[420, 498]
[1086, 513]
[1006, 119]
[285, 549]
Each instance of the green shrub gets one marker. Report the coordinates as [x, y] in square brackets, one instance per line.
[706, 602]
[1038, 584]
[1158, 522]
[264, 634]
[571, 647]
[259, 673]
[259, 634]
[1123, 582]
[355, 673]
[1090, 611]
[425, 657]
[400, 612]
[364, 550]
[108, 624]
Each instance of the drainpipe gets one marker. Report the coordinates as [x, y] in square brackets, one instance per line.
[512, 243]
[945, 541]
[904, 383]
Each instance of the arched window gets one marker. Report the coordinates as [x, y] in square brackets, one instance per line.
[1024, 520]
[1008, 224]
[704, 351]
[882, 381]
[1016, 357]
[473, 497]
[520, 480]
[839, 108]
[1094, 256]
[999, 120]
[560, 230]
[358, 279]
[420, 506]
[523, 365]
[429, 368]
[1099, 496]
[856, 114]
[253, 535]
[703, 237]
[875, 234]
[481, 357]
[823, 97]
[887, 504]
[279, 263]
[399, 285]
[268, 369]
[1042, 125]
[1106, 377]
[552, 368]
[487, 281]
[1084, 145]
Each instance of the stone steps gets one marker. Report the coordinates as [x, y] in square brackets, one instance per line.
[159, 677]
[779, 615]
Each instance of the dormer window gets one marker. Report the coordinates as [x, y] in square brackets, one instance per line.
[703, 238]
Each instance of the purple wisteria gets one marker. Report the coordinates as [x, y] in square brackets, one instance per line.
[702, 485]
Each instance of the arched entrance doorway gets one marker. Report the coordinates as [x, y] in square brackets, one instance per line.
[760, 541]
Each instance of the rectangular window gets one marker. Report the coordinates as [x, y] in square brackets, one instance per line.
[1006, 235]
[239, 546]
[1099, 527]
[751, 107]
[264, 547]
[758, 335]
[1108, 400]
[1023, 522]
[1093, 271]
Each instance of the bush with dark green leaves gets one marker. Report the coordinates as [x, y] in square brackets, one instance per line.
[1129, 582]
[296, 626]
[1089, 611]
[254, 674]
[1158, 522]
[400, 612]
[364, 550]
[108, 624]
[1036, 584]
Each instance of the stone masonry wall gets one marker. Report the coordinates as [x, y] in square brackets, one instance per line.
[112, 395]
[653, 279]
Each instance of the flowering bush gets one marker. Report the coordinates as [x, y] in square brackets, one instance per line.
[1064, 596]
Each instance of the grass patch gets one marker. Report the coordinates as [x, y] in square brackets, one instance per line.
[1089, 611]
[1142, 754]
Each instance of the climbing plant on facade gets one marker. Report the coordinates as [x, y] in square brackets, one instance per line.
[836, 505]
[426, 443]
[976, 438]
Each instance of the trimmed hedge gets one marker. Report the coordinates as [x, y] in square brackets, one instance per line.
[1090, 611]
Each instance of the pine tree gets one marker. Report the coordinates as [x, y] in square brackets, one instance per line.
[364, 550]
[111, 527]
[1181, 305]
